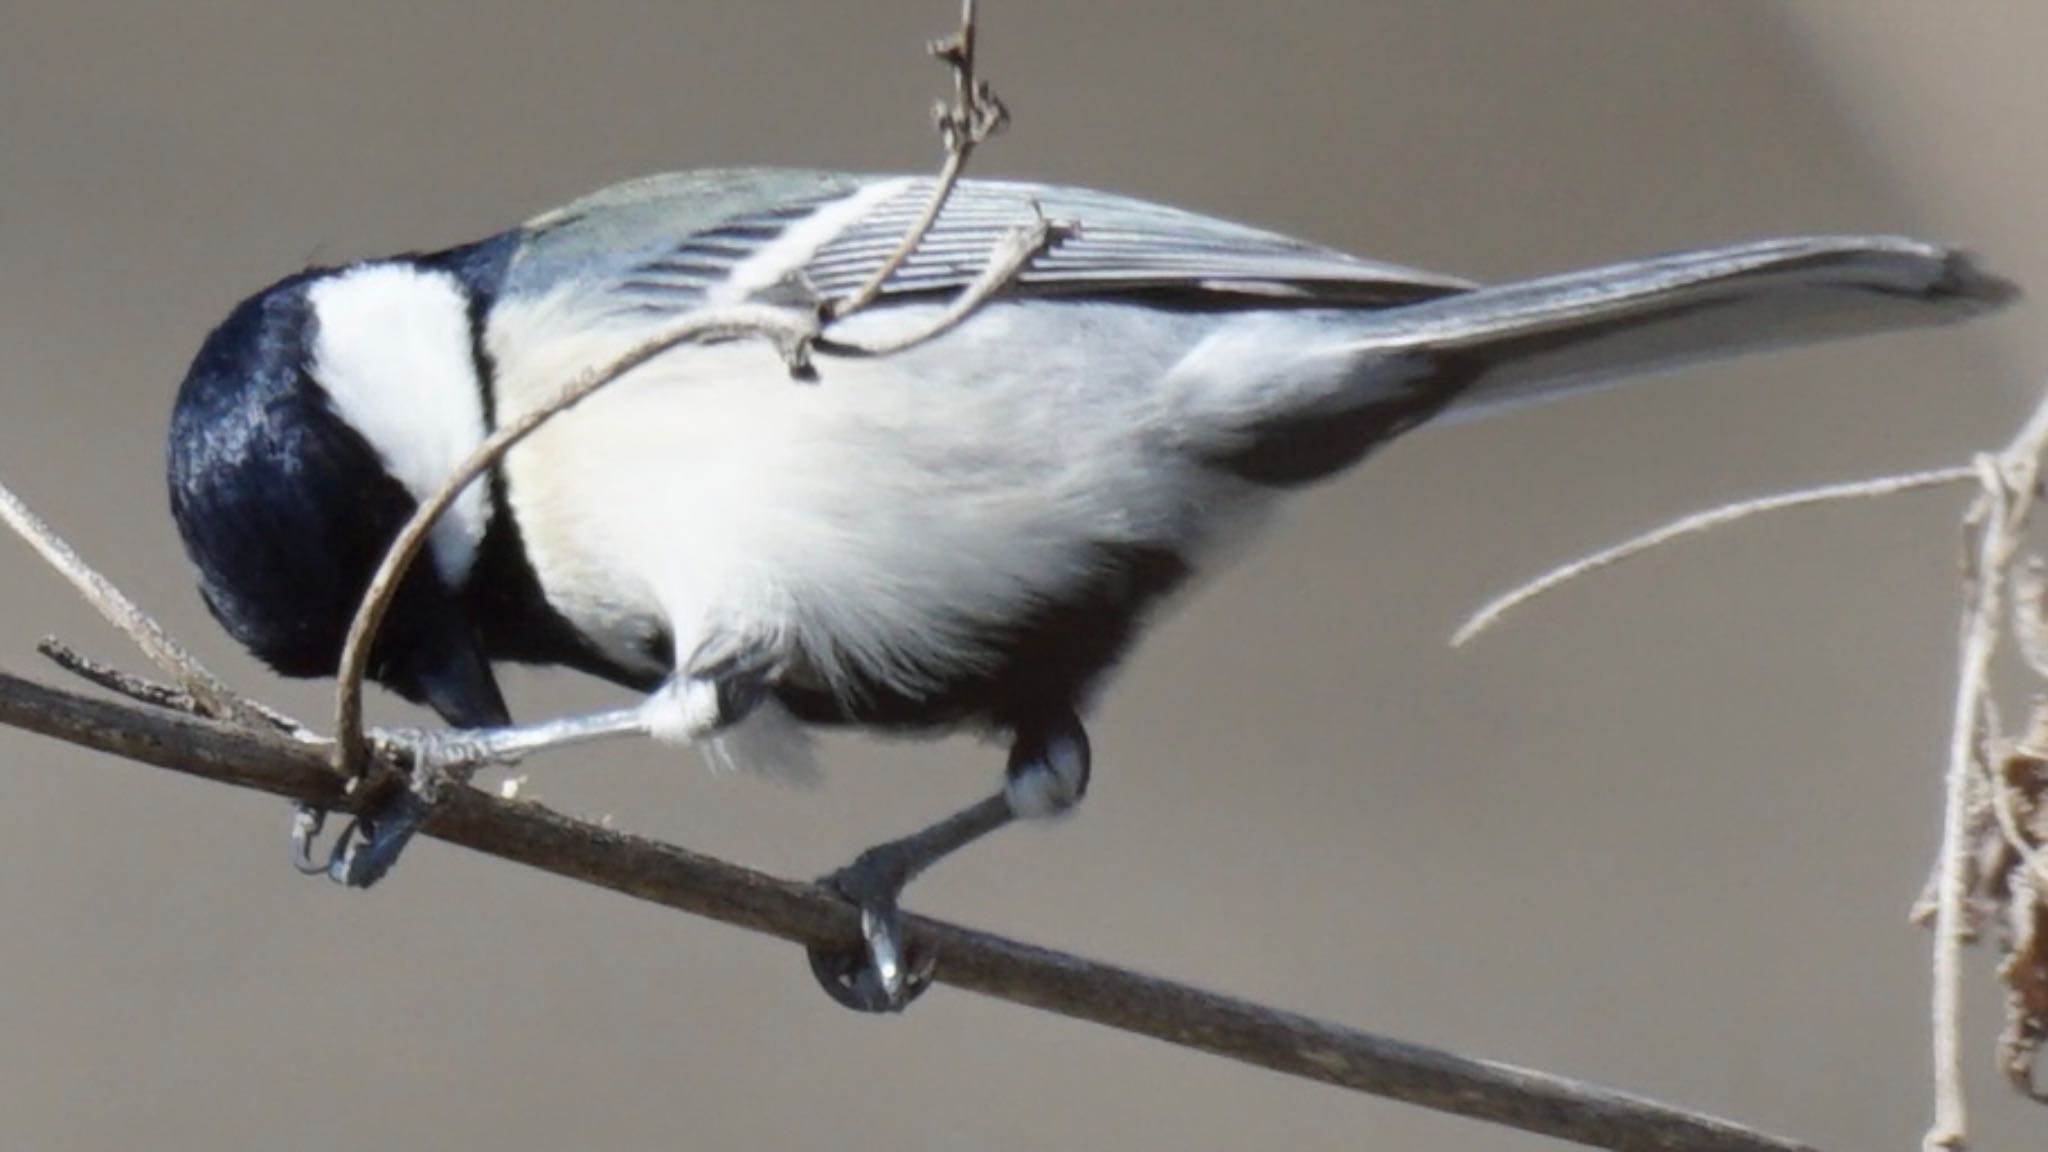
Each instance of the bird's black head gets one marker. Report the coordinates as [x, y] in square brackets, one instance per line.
[308, 428]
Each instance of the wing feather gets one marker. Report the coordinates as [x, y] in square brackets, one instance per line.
[670, 243]
[1122, 246]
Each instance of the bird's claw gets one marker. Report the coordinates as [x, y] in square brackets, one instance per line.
[883, 974]
[307, 821]
[434, 757]
[370, 844]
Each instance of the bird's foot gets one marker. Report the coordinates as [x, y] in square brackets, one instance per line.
[372, 842]
[882, 975]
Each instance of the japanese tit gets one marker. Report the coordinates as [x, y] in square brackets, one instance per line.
[968, 533]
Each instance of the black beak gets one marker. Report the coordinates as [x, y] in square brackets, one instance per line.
[449, 673]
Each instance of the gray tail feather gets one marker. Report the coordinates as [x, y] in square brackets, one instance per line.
[1536, 339]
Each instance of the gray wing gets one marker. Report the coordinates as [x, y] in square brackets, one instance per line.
[670, 243]
[1123, 245]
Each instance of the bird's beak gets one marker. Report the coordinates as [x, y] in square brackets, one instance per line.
[453, 677]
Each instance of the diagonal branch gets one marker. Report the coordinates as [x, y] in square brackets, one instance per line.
[976, 961]
[207, 692]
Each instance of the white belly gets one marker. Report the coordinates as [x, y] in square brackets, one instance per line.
[877, 520]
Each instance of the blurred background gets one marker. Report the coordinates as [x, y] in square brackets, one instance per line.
[1660, 831]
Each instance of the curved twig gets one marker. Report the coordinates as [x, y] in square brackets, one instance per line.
[1495, 610]
[1012, 254]
[974, 115]
[791, 330]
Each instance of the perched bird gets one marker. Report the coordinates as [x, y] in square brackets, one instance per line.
[965, 534]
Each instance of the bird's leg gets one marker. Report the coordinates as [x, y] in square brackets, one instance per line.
[689, 707]
[436, 758]
[1048, 774]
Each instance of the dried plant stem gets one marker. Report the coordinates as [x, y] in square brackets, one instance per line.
[1952, 878]
[1496, 610]
[115, 680]
[2010, 487]
[791, 331]
[208, 692]
[991, 965]
[974, 115]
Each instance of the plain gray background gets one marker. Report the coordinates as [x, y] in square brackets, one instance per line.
[1659, 832]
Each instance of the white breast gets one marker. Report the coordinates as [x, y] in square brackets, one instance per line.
[879, 519]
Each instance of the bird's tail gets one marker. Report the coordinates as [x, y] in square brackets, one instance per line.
[1541, 338]
[1287, 399]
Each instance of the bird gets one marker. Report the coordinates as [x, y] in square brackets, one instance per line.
[965, 534]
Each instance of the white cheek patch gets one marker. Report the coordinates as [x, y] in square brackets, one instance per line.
[394, 354]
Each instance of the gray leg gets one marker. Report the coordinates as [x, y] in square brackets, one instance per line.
[1048, 773]
[685, 709]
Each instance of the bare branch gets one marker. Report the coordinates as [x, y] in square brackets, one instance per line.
[1699, 522]
[209, 692]
[114, 680]
[976, 961]
[265, 760]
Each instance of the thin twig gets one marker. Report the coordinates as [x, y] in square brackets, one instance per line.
[143, 690]
[1012, 254]
[991, 965]
[2010, 486]
[1699, 522]
[790, 330]
[114, 680]
[1952, 887]
[974, 115]
[208, 692]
